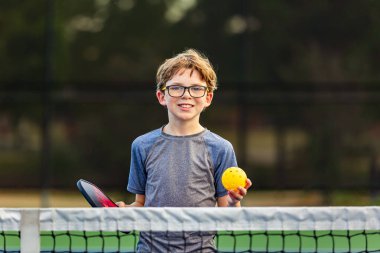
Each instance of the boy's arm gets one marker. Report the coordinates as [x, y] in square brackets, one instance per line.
[233, 198]
[139, 202]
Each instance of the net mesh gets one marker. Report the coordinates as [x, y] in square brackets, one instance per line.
[349, 229]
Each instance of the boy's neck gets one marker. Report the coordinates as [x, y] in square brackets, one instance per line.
[182, 130]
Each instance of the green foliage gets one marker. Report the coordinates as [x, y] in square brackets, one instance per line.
[104, 59]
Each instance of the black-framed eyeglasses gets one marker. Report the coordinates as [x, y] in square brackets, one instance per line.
[176, 91]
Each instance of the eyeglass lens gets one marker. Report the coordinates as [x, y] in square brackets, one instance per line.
[179, 91]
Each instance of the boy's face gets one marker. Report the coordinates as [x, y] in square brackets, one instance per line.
[186, 107]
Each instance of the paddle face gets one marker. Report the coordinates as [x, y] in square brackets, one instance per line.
[94, 196]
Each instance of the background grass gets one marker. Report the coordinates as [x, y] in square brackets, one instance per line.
[32, 198]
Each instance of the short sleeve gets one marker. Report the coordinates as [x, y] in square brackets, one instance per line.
[223, 156]
[225, 160]
[137, 172]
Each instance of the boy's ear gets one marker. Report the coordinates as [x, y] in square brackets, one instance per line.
[161, 97]
[209, 97]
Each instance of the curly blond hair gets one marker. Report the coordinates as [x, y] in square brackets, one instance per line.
[188, 59]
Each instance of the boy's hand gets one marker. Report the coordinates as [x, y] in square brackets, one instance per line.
[139, 202]
[236, 197]
[121, 204]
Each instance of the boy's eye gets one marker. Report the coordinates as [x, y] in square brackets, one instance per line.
[197, 88]
[176, 88]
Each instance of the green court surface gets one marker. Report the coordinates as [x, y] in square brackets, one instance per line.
[237, 241]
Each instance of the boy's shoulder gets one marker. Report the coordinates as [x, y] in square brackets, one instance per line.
[147, 138]
[215, 139]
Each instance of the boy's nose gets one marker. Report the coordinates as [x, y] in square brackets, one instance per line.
[187, 93]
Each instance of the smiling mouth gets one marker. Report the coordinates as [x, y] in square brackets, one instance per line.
[185, 105]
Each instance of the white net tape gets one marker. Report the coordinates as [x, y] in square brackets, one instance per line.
[196, 219]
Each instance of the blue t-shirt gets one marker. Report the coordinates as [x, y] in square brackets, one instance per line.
[179, 171]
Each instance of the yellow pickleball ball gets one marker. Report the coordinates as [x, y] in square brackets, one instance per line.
[233, 177]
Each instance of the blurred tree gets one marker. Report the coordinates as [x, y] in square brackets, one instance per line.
[105, 55]
[21, 41]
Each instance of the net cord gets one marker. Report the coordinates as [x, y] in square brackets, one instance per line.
[194, 219]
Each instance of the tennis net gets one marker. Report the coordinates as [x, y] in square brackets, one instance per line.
[249, 229]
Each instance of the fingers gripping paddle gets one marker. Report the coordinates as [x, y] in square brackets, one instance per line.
[94, 196]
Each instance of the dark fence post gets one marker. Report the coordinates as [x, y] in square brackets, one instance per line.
[374, 176]
[46, 170]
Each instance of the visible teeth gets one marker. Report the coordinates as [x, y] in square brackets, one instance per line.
[185, 106]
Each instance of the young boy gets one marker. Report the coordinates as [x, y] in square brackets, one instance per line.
[181, 163]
